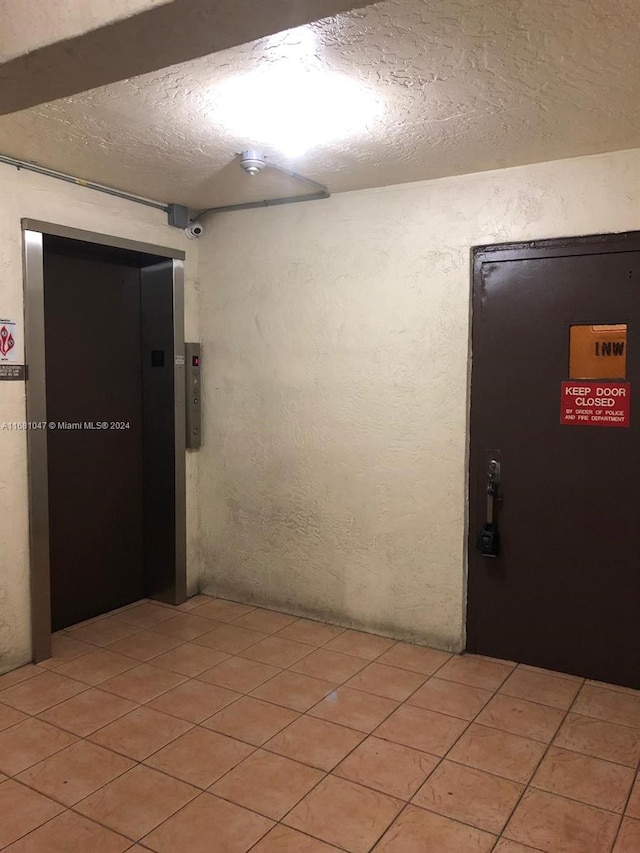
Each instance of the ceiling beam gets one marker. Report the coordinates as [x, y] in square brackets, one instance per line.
[149, 40]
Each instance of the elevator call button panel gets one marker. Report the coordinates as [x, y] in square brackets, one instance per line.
[193, 395]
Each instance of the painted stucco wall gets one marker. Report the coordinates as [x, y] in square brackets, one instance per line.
[23, 194]
[335, 351]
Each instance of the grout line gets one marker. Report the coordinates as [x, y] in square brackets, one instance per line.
[365, 735]
[44, 823]
[535, 770]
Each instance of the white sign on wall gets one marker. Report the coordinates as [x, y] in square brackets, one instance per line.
[10, 345]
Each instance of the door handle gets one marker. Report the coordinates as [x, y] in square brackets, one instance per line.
[489, 539]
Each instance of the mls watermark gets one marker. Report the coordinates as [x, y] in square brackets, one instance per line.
[65, 425]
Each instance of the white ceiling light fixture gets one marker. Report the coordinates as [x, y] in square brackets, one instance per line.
[292, 102]
[253, 162]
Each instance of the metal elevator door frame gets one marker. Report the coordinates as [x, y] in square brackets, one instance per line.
[36, 403]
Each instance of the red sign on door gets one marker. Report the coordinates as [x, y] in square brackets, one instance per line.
[595, 404]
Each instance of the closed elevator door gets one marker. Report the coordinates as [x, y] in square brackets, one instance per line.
[94, 439]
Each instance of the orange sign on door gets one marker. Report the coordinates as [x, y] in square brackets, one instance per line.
[598, 352]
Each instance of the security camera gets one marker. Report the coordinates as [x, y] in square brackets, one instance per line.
[194, 230]
[252, 162]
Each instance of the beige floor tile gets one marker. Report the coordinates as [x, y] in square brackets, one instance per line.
[419, 831]
[97, 666]
[184, 626]
[135, 803]
[470, 796]
[310, 632]
[22, 810]
[16, 676]
[475, 671]
[329, 666]
[88, 711]
[600, 739]
[354, 709]
[315, 742]
[102, 632]
[140, 733]
[538, 722]
[195, 601]
[142, 683]
[557, 825]
[189, 659]
[295, 691]
[415, 658]
[633, 806]
[610, 705]
[276, 651]
[130, 606]
[267, 783]
[64, 649]
[506, 846]
[390, 682]
[537, 686]
[199, 757]
[449, 697]
[194, 700]
[421, 729]
[265, 761]
[510, 663]
[251, 720]
[344, 814]
[619, 688]
[388, 767]
[578, 679]
[29, 742]
[230, 639]
[222, 610]
[10, 716]
[266, 621]
[71, 833]
[145, 615]
[77, 771]
[501, 753]
[235, 829]
[282, 839]
[144, 645]
[582, 777]
[360, 645]
[240, 674]
[39, 693]
[628, 840]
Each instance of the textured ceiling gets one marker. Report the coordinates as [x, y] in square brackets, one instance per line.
[460, 86]
[23, 32]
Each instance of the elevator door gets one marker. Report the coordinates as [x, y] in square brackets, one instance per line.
[94, 439]
[563, 592]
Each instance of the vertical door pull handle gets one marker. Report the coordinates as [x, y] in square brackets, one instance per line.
[489, 539]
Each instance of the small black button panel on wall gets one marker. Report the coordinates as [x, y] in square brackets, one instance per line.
[193, 395]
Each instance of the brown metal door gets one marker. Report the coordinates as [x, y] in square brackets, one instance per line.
[93, 375]
[564, 591]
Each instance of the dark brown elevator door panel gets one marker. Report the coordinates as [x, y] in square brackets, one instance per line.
[93, 374]
[564, 592]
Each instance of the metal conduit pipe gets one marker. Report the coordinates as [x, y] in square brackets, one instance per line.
[320, 190]
[61, 176]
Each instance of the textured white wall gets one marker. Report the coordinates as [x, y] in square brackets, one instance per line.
[335, 347]
[23, 194]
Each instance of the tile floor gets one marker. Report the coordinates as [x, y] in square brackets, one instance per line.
[224, 728]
